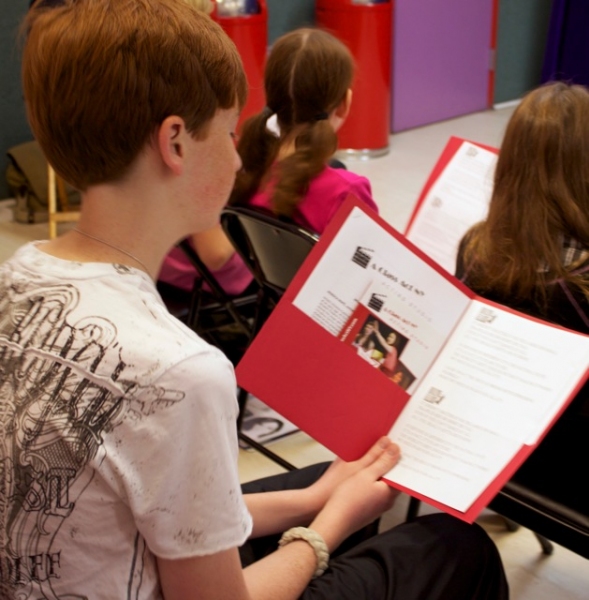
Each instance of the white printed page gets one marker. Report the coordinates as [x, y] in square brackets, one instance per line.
[458, 199]
[498, 384]
[363, 254]
[507, 373]
[446, 457]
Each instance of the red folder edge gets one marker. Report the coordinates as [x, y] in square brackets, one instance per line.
[449, 151]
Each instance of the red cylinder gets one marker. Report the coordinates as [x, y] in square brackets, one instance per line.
[367, 31]
[249, 33]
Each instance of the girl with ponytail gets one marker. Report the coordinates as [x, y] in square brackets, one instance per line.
[286, 148]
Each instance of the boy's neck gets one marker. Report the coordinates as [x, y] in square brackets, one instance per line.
[126, 223]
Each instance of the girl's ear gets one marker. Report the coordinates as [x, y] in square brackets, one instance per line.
[170, 141]
[343, 108]
[341, 111]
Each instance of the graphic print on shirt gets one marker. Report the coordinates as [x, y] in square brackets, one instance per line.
[62, 387]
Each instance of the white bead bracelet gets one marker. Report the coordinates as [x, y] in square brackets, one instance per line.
[314, 540]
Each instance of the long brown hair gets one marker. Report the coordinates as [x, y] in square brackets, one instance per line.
[540, 196]
[307, 75]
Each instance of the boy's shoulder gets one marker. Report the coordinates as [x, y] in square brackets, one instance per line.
[111, 312]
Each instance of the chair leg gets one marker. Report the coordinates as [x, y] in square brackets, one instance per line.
[511, 525]
[547, 546]
[413, 509]
[268, 453]
[241, 401]
[194, 308]
[263, 310]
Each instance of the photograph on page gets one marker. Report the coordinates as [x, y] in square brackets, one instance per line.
[400, 329]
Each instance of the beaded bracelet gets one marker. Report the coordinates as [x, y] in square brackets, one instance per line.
[314, 540]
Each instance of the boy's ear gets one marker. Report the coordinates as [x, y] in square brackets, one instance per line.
[171, 137]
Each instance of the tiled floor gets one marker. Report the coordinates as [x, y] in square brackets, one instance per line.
[396, 180]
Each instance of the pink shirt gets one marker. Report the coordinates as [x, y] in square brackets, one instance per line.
[177, 270]
[326, 194]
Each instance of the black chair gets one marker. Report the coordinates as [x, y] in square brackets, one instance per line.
[224, 321]
[547, 519]
[549, 493]
[273, 249]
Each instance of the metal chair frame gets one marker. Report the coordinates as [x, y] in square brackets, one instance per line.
[273, 249]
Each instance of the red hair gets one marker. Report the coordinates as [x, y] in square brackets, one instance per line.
[100, 76]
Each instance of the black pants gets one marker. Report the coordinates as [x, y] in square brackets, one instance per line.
[436, 557]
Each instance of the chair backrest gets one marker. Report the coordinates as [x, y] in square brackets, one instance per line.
[273, 249]
[217, 299]
[224, 321]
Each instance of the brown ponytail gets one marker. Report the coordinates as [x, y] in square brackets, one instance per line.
[307, 76]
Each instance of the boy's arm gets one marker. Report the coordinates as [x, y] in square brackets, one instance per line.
[356, 498]
[281, 576]
[275, 512]
[213, 247]
[214, 577]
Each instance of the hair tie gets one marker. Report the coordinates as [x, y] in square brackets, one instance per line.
[267, 112]
[321, 117]
[272, 125]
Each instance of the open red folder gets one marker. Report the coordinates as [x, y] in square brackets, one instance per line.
[455, 196]
[463, 355]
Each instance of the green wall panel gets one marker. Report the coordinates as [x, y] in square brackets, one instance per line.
[286, 15]
[13, 123]
[521, 39]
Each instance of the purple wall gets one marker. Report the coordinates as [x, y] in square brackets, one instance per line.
[441, 57]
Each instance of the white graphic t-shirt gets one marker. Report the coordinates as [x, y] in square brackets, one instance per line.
[117, 434]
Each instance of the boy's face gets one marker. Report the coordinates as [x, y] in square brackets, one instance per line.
[215, 162]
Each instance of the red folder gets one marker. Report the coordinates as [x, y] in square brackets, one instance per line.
[317, 382]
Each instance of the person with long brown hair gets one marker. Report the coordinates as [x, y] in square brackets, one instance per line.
[532, 250]
[286, 148]
[532, 254]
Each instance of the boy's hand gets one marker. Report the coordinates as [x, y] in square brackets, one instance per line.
[358, 495]
[340, 470]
